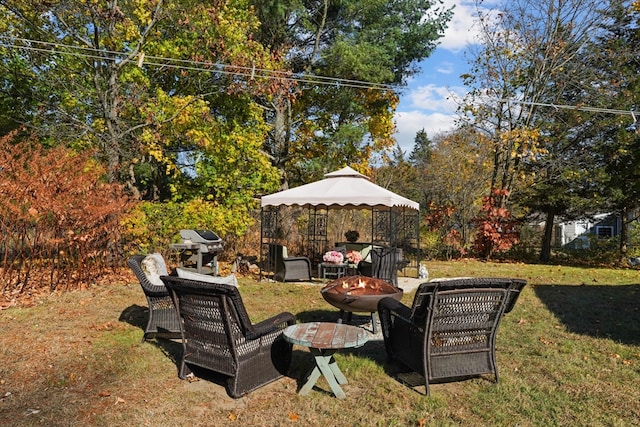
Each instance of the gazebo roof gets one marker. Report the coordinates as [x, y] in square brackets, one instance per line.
[342, 188]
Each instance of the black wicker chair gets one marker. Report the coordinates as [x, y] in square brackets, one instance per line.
[285, 268]
[449, 333]
[384, 264]
[163, 318]
[218, 335]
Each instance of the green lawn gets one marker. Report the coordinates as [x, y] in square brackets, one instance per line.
[568, 354]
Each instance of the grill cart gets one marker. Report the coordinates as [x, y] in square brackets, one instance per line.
[199, 250]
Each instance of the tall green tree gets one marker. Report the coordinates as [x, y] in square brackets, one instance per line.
[329, 116]
[617, 138]
[419, 160]
[422, 149]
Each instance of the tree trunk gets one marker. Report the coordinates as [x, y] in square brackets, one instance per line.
[624, 225]
[545, 250]
[281, 136]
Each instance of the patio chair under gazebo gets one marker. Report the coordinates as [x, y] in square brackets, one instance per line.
[394, 219]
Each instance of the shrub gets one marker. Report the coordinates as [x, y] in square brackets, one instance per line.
[153, 226]
[59, 219]
[439, 235]
[497, 230]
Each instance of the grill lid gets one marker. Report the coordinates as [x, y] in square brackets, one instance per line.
[200, 236]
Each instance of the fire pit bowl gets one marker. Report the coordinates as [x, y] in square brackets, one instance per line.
[358, 293]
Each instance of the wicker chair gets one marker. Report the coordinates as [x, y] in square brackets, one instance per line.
[218, 335]
[449, 333]
[163, 317]
[384, 264]
[285, 268]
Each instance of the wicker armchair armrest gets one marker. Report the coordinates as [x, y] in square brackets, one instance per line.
[279, 321]
[297, 259]
[514, 293]
[394, 306]
[155, 290]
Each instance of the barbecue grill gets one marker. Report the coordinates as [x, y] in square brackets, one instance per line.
[199, 250]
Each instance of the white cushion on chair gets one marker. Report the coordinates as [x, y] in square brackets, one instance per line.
[154, 266]
[228, 280]
[366, 252]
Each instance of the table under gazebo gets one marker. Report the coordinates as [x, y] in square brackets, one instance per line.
[394, 218]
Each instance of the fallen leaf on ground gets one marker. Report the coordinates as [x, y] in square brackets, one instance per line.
[293, 416]
[545, 341]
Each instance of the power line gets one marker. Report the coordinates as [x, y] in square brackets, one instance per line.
[251, 72]
[184, 64]
[575, 107]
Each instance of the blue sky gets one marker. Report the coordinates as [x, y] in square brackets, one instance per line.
[429, 101]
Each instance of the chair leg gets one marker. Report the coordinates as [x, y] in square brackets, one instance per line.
[149, 323]
[425, 370]
[373, 322]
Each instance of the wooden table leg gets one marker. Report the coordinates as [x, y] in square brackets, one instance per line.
[325, 365]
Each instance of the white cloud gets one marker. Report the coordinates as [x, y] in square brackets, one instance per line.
[429, 107]
[446, 67]
[436, 98]
[408, 123]
[462, 29]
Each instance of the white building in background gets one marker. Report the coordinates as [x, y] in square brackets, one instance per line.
[576, 233]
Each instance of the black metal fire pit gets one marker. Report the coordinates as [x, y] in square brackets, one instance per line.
[359, 294]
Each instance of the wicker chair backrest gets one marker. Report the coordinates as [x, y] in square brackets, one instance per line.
[384, 263]
[220, 305]
[423, 297]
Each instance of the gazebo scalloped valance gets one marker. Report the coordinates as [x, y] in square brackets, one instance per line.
[342, 188]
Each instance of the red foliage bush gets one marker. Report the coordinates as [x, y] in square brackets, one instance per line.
[59, 220]
[497, 230]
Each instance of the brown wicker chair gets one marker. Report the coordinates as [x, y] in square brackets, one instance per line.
[218, 335]
[286, 268]
[163, 318]
[449, 333]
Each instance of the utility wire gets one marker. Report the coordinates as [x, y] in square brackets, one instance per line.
[247, 72]
[574, 107]
[184, 64]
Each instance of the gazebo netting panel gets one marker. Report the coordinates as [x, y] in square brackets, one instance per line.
[392, 228]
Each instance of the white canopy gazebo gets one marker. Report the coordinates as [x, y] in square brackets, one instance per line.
[394, 217]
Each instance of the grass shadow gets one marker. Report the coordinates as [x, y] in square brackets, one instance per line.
[168, 342]
[317, 316]
[135, 315]
[601, 311]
